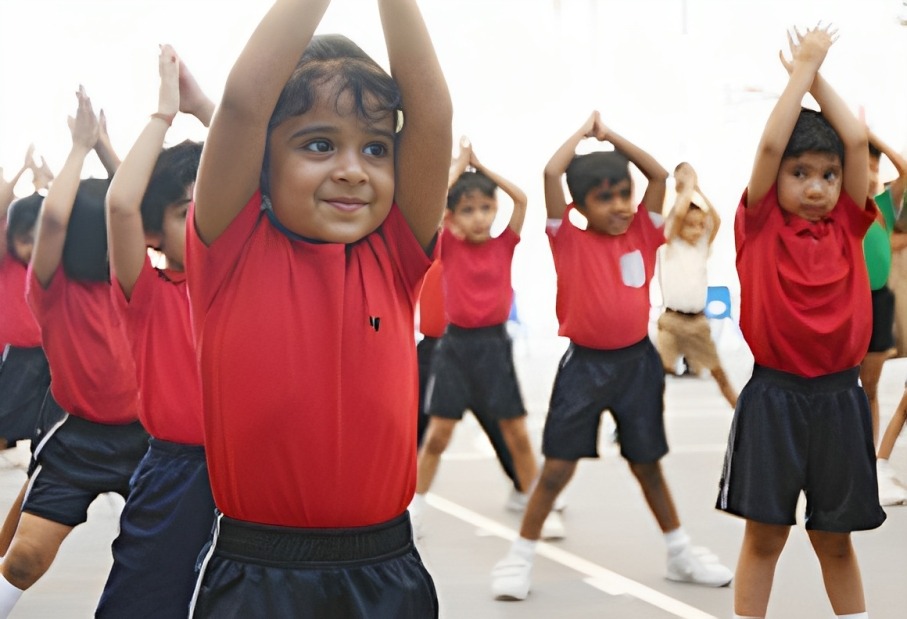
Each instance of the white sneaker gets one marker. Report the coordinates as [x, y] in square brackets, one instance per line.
[890, 491]
[553, 527]
[510, 578]
[698, 566]
[517, 502]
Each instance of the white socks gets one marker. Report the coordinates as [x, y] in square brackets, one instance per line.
[676, 541]
[863, 615]
[736, 616]
[524, 548]
[9, 595]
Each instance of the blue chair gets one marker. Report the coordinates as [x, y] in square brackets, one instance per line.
[718, 302]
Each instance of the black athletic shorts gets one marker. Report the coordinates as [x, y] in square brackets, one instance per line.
[24, 379]
[882, 338]
[473, 369]
[629, 382]
[255, 571]
[792, 434]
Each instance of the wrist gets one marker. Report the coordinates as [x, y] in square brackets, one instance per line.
[167, 118]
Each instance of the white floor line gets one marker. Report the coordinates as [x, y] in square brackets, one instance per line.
[597, 576]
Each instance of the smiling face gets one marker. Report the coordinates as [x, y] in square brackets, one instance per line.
[809, 184]
[331, 172]
[473, 215]
[609, 208]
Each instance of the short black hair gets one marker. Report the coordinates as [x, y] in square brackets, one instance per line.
[333, 59]
[468, 182]
[585, 172]
[85, 248]
[874, 151]
[22, 217]
[813, 134]
[175, 170]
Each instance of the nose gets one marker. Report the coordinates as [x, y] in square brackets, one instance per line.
[349, 168]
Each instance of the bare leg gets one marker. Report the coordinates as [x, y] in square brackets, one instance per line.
[516, 435]
[554, 478]
[32, 550]
[870, 372]
[762, 545]
[437, 437]
[898, 419]
[725, 385]
[657, 494]
[12, 521]
[840, 571]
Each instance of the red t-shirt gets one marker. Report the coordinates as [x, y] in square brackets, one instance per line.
[432, 321]
[603, 280]
[308, 371]
[159, 329]
[476, 279]
[17, 324]
[92, 374]
[804, 289]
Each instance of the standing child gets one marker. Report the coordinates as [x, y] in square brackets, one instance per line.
[472, 366]
[603, 275]
[683, 329]
[802, 423]
[317, 207]
[168, 516]
[99, 441]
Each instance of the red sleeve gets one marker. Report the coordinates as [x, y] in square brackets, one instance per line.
[409, 256]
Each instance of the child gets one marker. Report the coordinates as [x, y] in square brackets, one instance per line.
[472, 365]
[877, 245]
[891, 491]
[168, 516]
[24, 375]
[99, 441]
[802, 422]
[312, 228]
[603, 275]
[683, 329]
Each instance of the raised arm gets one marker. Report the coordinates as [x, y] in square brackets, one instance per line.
[7, 195]
[230, 167]
[898, 185]
[192, 98]
[656, 175]
[515, 193]
[54, 219]
[459, 163]
[108, 156]
[124, 198]
[555, 199]
[804, 68]
[423, 149]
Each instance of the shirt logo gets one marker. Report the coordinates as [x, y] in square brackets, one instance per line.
[633, 269]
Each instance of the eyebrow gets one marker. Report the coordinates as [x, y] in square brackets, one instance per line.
[332, 129]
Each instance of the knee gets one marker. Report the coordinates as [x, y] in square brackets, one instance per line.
[436, 440]
[553, 479]
[23, 566]
[648, 475]
[832, 545]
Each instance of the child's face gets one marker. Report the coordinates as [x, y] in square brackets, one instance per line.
[331, 172]
[173, 231]
[693, 226]
[472, 216]
[809, 185]
[23, 245]
[609, 208]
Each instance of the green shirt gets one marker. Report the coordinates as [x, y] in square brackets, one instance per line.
[877, 243]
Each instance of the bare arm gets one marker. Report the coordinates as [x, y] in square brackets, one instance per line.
[655, 174]
[898, 185]
[192, 98]
[555, 200]
[57, 207]
[7, 195]
[781, 121]
[515, 193]
[711, 213]
[104, 148]
[230, 167]
[459, 163]
[124, 198]
[423, 150]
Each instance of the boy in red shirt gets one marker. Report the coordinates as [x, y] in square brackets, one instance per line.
[802, 422]
[317, 207]
[168, 516]
[603, 274]
[97, 444]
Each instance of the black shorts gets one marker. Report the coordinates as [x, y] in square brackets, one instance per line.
[793, 434]
[424, 352]
[473, 369]
[882, 339]
[629, 382]
[163, 527]
[256, 571]
[76, 461]
[24, 379]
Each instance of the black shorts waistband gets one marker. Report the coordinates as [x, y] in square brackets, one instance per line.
[690, 314]
[616, 354]
[290, 545]
[500, 329]
[828, 383]
[169, 447]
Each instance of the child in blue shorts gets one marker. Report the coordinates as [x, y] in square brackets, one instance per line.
[604, 249]
[802, 422]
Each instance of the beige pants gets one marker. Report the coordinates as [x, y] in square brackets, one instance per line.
[689, 336]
